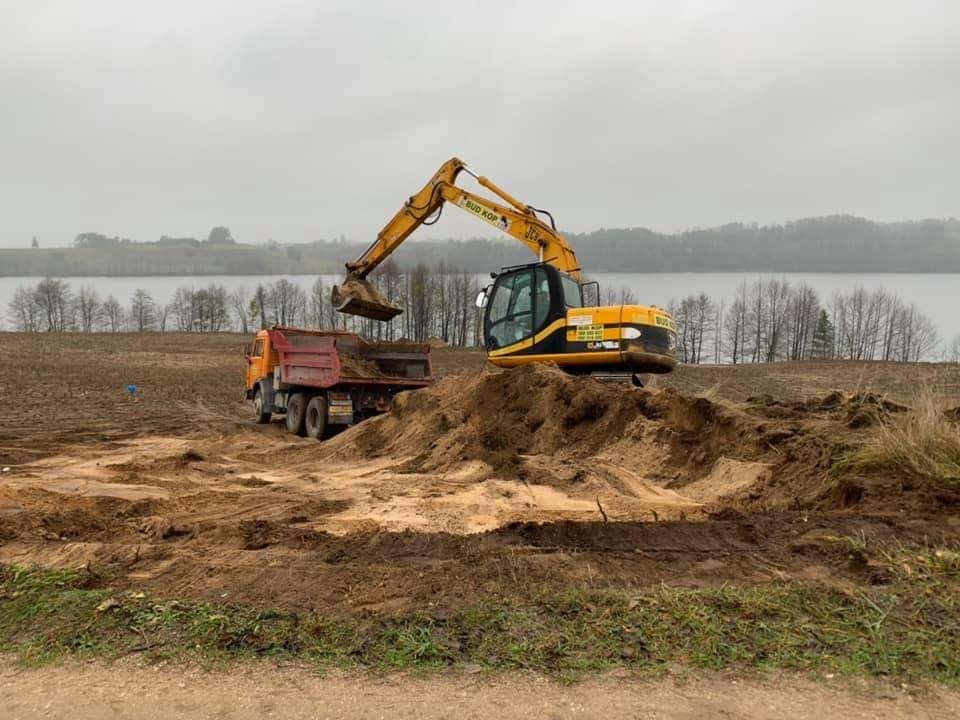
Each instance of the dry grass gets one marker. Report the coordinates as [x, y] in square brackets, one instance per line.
[922, 442]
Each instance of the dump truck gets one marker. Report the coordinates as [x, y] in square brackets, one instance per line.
[323, 381]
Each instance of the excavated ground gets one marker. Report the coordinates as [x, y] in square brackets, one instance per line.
[489, 482]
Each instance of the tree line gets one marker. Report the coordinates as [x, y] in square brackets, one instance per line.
[438, 303]
[770, 320]
[766, 320]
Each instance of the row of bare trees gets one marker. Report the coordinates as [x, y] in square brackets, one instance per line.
[51, 306]
[767, 320]
[770, 320]
[438, 304]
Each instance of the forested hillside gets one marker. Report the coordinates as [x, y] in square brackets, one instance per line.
[838, 243]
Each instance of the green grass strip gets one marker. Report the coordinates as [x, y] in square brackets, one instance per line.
[909, 628]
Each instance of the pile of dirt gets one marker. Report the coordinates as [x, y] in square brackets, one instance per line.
[356, 367]
[502, 418]
[539, 425]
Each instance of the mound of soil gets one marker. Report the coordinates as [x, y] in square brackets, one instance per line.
[502, 418]
[538, 424]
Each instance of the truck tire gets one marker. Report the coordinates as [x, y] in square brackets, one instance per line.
[296, 412]
[316, 419]
[260, 411]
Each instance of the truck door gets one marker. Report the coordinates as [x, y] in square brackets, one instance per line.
[255, 364]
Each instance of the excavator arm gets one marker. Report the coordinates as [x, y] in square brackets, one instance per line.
[356, 296]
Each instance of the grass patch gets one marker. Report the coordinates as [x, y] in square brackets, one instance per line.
[907, 628]
[922, 442]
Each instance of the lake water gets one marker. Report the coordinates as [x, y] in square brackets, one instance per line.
[938, 296]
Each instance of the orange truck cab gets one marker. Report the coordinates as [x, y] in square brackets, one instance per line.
[324, 381]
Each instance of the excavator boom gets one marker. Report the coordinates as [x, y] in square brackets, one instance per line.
[356, 296]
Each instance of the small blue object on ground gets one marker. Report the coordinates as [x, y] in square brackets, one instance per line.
[132, 389]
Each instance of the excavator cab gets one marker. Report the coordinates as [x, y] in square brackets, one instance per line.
[523, 301]
[536, 312]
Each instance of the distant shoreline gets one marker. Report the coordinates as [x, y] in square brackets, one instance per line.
[839, 244]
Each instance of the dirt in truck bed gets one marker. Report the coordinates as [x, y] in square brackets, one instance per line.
[487, 482]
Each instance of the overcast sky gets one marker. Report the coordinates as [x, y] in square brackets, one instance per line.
[298, 120]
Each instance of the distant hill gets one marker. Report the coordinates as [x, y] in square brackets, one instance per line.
[838, 243]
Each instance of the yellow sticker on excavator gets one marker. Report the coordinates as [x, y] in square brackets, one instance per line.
[485, 214]
[589, 333]
[665, 322]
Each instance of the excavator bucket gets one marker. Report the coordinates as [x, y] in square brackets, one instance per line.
[358, 297]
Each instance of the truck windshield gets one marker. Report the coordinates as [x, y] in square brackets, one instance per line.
[571, 292]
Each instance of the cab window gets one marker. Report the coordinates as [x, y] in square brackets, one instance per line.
[258, 348]
[541, 300]
[572, 297]
[519, 307]
[511, 310]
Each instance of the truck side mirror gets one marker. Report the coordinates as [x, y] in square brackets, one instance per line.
[247, 350]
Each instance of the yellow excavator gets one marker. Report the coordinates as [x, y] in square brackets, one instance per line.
[534, 312]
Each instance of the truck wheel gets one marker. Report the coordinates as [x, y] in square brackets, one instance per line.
[260, 412]
[296, 410]
[316, 420]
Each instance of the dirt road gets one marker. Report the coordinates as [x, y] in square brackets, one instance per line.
[130, 690]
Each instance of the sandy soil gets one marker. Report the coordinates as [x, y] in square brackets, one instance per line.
[131, 690]
[498, 480]
[487, 483]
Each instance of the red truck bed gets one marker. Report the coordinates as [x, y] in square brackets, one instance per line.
[323, 359]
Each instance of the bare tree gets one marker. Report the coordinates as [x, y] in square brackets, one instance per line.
[88, 308]
[757, 317]
[182, 307]
[163, 315]
[240, 304]
[287, 302]
[736, 325]
[620, 295]
[113, 313]
[392, 286]
[319, 299]
[695, 316]
[24, 311]
[53, 298]
[803, 308]
[420, 289]
[258, 304]
[718, 318]
[777, 292]
[142, 311]
[953, 354]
